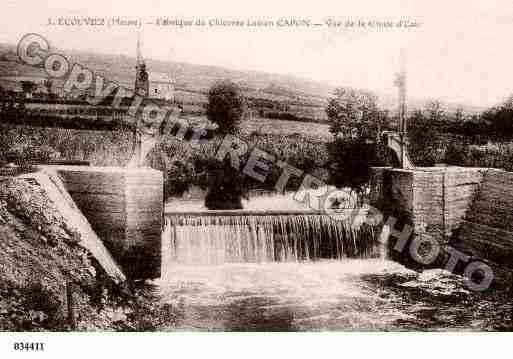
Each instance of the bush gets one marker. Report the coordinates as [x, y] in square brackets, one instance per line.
[456, 154]
[497, 155]
[351, 160]
[226, 186]
[354, 112]
[424, 140]
[178, 178]
[24, 145]
[226, 106]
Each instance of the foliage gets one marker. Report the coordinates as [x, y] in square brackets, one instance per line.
[355, 121]
[226, 186]
[500, 119]
[28, 87]
[179, 175]
[354, 113]
[350, 162]
[436, 113]
[423, 138]
[294, 149]
[226, 106]
[284, 129]
[491, 155]
[495, 124]
[456, 153]
[23, 145]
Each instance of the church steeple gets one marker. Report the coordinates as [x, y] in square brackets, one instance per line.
[142, 84]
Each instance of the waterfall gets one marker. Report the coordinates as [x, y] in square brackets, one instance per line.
[238, 237]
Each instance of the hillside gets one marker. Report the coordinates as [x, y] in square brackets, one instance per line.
[272, 95]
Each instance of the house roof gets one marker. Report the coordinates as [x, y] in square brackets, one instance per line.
[160, 77]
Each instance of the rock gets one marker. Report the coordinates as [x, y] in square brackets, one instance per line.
[119, 315]
[438, 282]
[431, 274]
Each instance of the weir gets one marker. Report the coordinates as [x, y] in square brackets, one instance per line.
[218, 237]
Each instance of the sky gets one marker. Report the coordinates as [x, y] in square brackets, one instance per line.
[460, 52]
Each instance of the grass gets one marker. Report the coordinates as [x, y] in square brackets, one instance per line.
[29, 144]
[299, 144]
[309, 130]
[492, 155]
[313, 131]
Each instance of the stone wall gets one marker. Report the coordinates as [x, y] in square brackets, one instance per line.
[433, 199]
[125, 209]
[470, 209]
[486, 231]
[442, 197]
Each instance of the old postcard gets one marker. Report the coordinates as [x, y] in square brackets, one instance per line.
[254, 167]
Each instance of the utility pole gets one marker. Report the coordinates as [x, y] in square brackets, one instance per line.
[400, 83]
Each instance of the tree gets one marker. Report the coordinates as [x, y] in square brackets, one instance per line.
[355, 121]
[4, 100]
[423, 137]
[3, 94]
[354, 113]
[459, 116]
[28, 87]
[350, 162]
[226, 186]
[500, 119]
[436, 113]
[226, 106]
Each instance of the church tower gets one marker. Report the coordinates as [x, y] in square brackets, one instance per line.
[142, 83]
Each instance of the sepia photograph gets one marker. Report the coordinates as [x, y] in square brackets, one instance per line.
[180, 168]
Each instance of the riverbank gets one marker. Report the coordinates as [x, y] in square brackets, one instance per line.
[56, 275]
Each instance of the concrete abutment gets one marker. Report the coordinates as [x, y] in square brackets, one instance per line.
[124, 207]
[467, 209]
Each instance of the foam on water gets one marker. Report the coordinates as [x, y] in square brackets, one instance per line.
[253, 271]
[317, 295]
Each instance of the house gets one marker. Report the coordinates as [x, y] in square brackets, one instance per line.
[161, 86]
